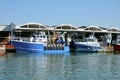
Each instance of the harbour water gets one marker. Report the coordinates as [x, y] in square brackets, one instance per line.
[66, 66]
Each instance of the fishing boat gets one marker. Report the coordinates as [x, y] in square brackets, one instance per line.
[38, 43]
[27, 40]
[89, 44]
[117, 46]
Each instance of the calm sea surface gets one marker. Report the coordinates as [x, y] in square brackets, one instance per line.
[67, 66]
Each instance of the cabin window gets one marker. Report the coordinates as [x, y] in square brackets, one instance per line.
[118, 42]
[43, 36]
[91, 40]
[85, 40]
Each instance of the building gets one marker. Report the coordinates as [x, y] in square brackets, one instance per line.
[28, 28]
[5, 33]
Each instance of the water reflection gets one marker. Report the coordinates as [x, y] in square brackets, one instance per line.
[80, 66]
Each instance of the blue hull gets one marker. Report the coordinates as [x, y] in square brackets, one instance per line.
[32, 47]
[87, 48]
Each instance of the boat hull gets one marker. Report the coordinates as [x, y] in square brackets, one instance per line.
[34, 47]
[117, 48]
[85, 48]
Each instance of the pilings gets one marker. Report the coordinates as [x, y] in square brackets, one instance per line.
[2, 50]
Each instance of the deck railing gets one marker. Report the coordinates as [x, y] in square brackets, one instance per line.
[54, 47]
[22, 38]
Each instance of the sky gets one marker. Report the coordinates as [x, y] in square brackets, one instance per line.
[103, 13]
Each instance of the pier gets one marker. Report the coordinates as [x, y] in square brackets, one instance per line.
[9, 48]
[6, 48]
[108, 49]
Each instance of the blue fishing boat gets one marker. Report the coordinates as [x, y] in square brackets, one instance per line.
[38, 43]
[89, 44]
[38, 38]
